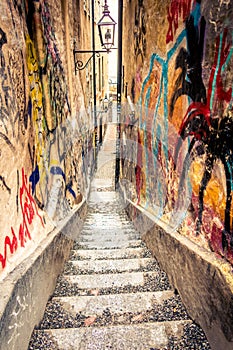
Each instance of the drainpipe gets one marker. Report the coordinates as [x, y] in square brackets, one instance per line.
[94, 80]
[119, 89]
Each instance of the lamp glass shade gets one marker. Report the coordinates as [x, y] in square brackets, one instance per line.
[106, 26]
[105, 103]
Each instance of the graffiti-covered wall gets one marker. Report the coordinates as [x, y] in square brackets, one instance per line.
[177, 148]
[44, 127]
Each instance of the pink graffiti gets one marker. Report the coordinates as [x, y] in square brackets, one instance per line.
[29, 212]
[176, 10]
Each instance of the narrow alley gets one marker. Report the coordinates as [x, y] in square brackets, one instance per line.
[116, 175]
[112, 293]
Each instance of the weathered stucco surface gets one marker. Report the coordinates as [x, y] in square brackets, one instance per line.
[46, 153]
[45, 131]
[203, 280]
[26, 290]
[177, 150]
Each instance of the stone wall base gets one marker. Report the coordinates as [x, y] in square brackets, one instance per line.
[203, 280]
[25, 291]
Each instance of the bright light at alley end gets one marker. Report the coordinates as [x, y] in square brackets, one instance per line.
[106, 26]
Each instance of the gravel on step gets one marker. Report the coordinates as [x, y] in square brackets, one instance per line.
[56, 317]
[41, 340]
[159, 282]
[74, 255]
[193, 339]
[70, 269]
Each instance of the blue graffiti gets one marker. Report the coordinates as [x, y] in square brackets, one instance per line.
[56, 170]
[158, 133]
[34, 178]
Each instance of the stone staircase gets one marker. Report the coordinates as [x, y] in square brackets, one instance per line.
[112, 293]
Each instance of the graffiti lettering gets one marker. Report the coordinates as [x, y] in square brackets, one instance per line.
[176, 9]
[29, 211]
[12, 244]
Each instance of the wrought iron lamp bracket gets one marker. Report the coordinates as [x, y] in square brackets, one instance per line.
[79, 64]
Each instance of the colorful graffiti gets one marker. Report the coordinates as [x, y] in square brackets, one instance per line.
[185, 149]
[36, 127]
[29, 212]
[177, 9]
[189, 82]
[211, 128]
[54, 129]
[36, 115]
[153, 102]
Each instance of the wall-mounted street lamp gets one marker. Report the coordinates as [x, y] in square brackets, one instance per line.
[106, 28]
[105, 104]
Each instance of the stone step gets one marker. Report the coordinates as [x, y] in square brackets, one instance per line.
[115, 213]
[114, 303]
[107, 237]
[121, 253]
[113, 231]
[113, 219]
[154, 335]
[90, 229]
[116, 243]
[70, 284]
[112, 280]
[112, 293]
[102, 197]
[100, 208]
[113, 309]
[113, 265]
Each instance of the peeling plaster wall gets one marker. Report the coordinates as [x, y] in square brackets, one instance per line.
[44, 128]
[177, 148]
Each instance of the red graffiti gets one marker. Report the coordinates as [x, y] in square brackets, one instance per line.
[222, 53]
[29, 211]
[13, 245]
[177, 9]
